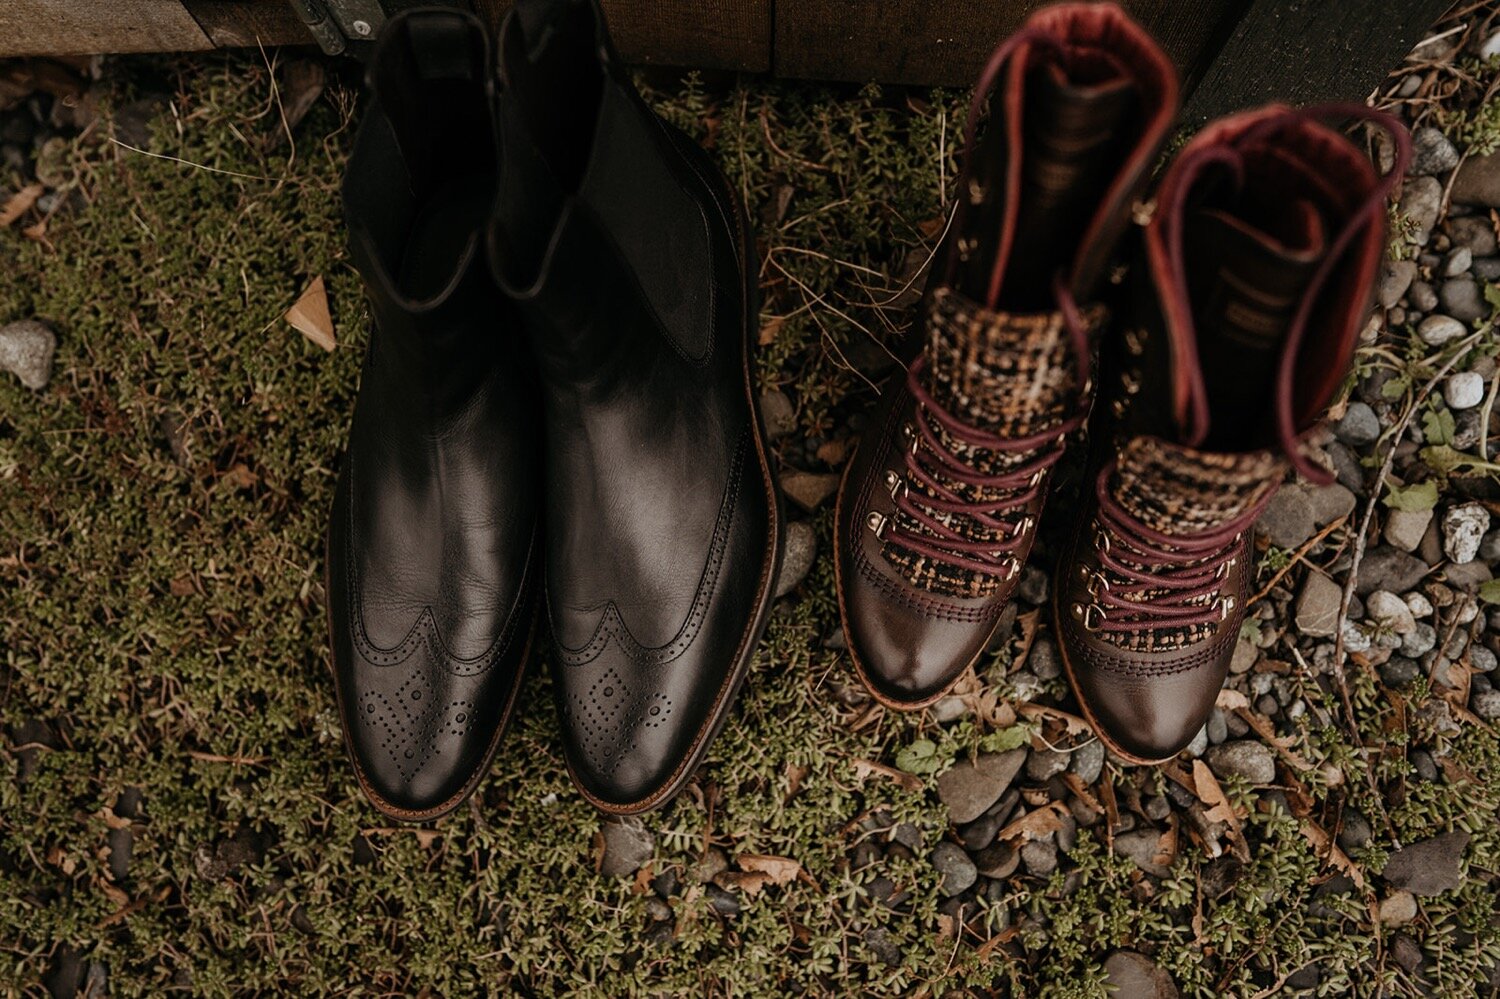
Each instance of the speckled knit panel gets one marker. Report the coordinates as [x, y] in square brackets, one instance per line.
[1008, 375]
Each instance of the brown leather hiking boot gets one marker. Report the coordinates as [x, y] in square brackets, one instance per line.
[938, 507]
[1256, 276]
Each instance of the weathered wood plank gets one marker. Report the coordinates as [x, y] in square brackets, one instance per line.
[76, 27]
[1304, 53]
[712, 34]
[947, 41]
[247, 23]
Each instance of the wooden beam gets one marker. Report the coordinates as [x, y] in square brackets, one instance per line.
[1305, 53]
[84, 27]
[248, 23]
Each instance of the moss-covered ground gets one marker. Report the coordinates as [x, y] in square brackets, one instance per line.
[177, 816]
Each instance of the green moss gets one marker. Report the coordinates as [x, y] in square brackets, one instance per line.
[165, 499]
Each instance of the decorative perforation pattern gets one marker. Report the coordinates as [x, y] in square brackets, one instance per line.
[409, 722]
[606, 716]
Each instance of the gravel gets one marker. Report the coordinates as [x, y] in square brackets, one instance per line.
[1439, 329]
[1461, 299]
[1387, 609]
[1387, 568]
[1360, 427]
[1464, 390]
[1244, 758]
[1421, 200]
[797, 558]
[26, 350]
[627, 845]
[968, 789]
[1428, 867]
[1431, 153]
[1404, 529]
[1318, 606]
[958, 871]
[1464, 528]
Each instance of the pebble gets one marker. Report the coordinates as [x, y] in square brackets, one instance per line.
[958, 871]
[1044, 660]
[1422, 761]
[1420, 641]
[1431, 152]
[1130, 975]
[627, 845]
[1244, 758]
[1088, 761]
[1481, 658]
[1428, 867]
[1464, 528]
[1039, 857]
[998, 860]
[797, 557]
[1141, 845]
[1217, 727]
[1329, 503]
[1467, 576]
[808, 489]
[1355, 639]
[1398, 908]
[26, 350]
[779, 414]
[1391, 611]
[1485, 702]
[1356, 832]
[969, 789]
[1245, 654]
[1421, 200]
[1389, 568]
[1196, 748]
[1476, 183]
[725, 903]
[1360, 426]
[1404, 528]
[1399, 672]
[949, 709]
[1317, 612]
[1288, 519]
[1032, 586]
[1045, 763]
[1460, 298]
[1464, 390]
[1422, 296]
[1457, 262]
[1474, 233]
[1395, 277]
[1439, 329]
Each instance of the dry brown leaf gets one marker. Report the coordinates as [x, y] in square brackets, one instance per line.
[1206, 787]
[1266, 732]
[1231, 700]
[749, 882]
[833, 452]
[1035, 824]
[866, 769]
[1326, 848]
[771, 330]
[426, 837]
[796, 773]
[19, 203]
[112, 820]
[779, 869]
[309, 315]
[1074, 724]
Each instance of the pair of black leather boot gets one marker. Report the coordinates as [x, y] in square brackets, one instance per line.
[563, 292]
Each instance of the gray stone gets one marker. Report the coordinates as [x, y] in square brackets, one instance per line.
[1474, 233]
[1387, 568]
[1134, 976]
[1197, 747]
[1422, 296]
[1088, 761]
[998, 860]
[1288, 519]
[1485, 702]
[1039, 857]
[1032, 586]
[1329, 503]
[627, 845]
[1457, 262]
[968, 789]
[1395, 277]
[1476, 183]
[1431, 152]
[1463, 529]
[1398, 909]
[1439, 329]
[1428, 867]
[1389, 610]
[778, 412]
[1356, 832]
[1318, 606]
[1243, 758]
[26, 349]
[1045, 763]
[1420, 642]
[958, 871]
[1355, 638]
[949, 709]
[1360, 427]
[1487, 269]
[1463, 390]
[1467, 576]
[1217, 727]
[1141, 845]
[1404, 528]
[1481, 658]
[1044, 660]
[1246, 653]
[1460, 298]
[1421, 200]
[797, 557]
[1399, 672]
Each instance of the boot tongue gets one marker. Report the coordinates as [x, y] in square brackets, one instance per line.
[1073, 126]
[1245, 283]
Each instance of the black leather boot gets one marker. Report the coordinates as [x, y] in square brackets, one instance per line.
[632, 265]
[432, 548]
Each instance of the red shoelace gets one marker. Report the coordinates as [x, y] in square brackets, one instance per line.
[1150, 579]
[936, 506]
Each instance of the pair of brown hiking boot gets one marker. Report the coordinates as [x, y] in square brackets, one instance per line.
[1216, 349]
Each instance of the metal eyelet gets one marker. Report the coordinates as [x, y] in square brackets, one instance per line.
[1096, 583]
[1090, 616]
[976, 191]
[895, 484]
[1130, 381]
[1011, 568]
[1118, 408]
[876, 522]
[909, 433]
[1036, 478]
[1135, 342]
[1226, 608]
[1101, 540]
[1142, 211]
[1027, 524]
